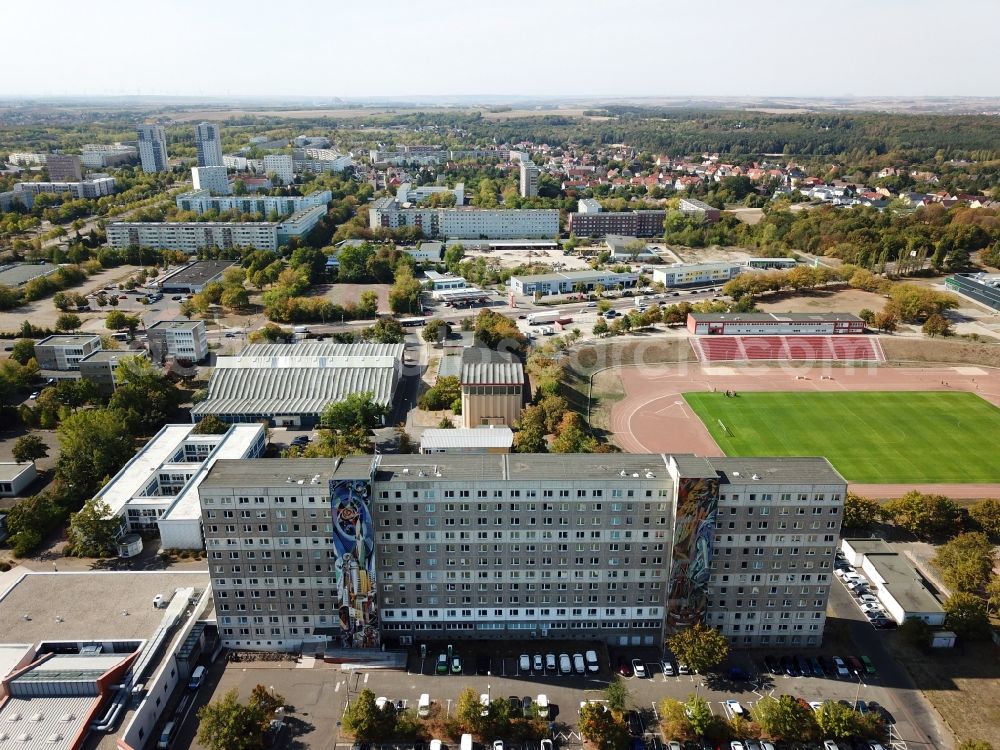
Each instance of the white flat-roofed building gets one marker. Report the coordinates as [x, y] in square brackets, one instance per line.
[15, 478]
[430, 251]
[407, 193]
[494, 439]
[95, 187]
[153, 148]
[103, 155]
[200, 201]
[281, 166]
[208, 143]
[467, 222]
[214, 180]
[191, 236]
[565, 282]
[445, 280]
[24, 159]
[177, 339]
[63, 351]
[898, 586]
[588, 206]
[152, 484]
[690, 274]
[765, 264]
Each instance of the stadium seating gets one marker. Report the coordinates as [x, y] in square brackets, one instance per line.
[781, 348]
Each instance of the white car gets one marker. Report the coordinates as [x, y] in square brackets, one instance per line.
[592, 663]
[546, 745]
[674, 745]
[683, 668]
[524, 663]
[736, 745]
[870, 607]
[830, 745]
[638, 668]
[537, 664]
[668, 668]
[868, 599]
[497, 744]
[765, 745]
[734, 708]
[381, 702]
[815, 705]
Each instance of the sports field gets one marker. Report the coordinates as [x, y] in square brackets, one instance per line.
[870, 437]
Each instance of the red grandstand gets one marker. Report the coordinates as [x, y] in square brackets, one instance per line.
[788, 348]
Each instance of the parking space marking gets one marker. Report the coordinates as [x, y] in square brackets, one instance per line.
[337, 688]
[655, 713]
[367, 675]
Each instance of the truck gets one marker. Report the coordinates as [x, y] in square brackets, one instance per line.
[541, 318]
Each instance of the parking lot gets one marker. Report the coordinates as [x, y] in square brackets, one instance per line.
[318, 693]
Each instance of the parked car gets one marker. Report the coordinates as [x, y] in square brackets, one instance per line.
[773, 665]
[802, 664]
[514, 704]
[830, 745]
[301, 440]
[854, 665]
[683, 668]
[736, 745]
[442, 664]
[456, 665]
[537, 664]
[524, 663]
[633, 723]
[841, 667]
[868, 599]
[828, 669]
[565, 665]
[867, 664]
[638, 668]
[550, 662]
[624, 668]
[878, 708]
[734, 707]
[526, 704]
[667, 667]
[789, 667]
[592, 664]
[815, 705]
[579, 666]
[814, 665]
[884, 623]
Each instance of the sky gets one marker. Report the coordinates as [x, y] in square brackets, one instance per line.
[530, 48]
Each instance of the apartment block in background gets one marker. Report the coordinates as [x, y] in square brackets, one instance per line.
[153, 148]
[64, 168]
[208, 143]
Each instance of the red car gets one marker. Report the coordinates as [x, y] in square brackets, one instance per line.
[624, 668]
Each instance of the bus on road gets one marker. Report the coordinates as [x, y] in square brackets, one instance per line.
[412, 322]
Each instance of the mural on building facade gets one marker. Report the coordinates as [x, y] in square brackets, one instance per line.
[694, 529]
[354, 546]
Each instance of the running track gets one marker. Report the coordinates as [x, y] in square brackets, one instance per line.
[654, 418]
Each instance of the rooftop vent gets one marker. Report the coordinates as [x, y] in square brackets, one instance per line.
[36, 717]
[736, 473]
[406, 470]
[67, 717]
[421, 473]
[54, 738]
[623, 473]
[650, 475]
[754, 477]
[635, 475]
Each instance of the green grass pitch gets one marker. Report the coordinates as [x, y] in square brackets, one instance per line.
[870, 437]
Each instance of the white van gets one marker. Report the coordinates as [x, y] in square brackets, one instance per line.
[543, 706]
[197, 677]
[565, 665]
[466, 743]
[424, 706]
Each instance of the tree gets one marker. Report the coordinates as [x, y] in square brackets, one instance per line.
[363, 718]
[993, 595]
[436, 331]
[23, 351]
[966, 615]
[986, 514]
[925, 516]
[92, 530]
[699, 714]
[600, 327]
[699, 647]
[211, 425]
[784, 718]
[68, 322]
[144, 397]
[368, 304]
[860, 512]
[227, 724]
[616, 694]
[468, 710]
[385, 331]
[602, 727]
[837, 720]
[885, 321]
[442, 394]
[530, 434]
[453, 255]
[674, 720]
[868, 316]
[93, 446]
[235, 298]
[966, 562]
[358, 410]
[404, 294]
[915, 632]
[571, 436]
[29, 448]
[937, 325]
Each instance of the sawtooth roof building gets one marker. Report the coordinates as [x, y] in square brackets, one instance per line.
[291, 384]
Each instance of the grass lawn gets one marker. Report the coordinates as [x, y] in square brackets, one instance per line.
[871, 437]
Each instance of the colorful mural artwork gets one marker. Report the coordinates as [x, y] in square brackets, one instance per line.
[694, 529]
[354, 546]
